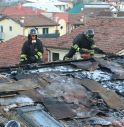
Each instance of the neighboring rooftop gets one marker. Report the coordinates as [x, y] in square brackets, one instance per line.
[12, 52]
[68, 1]
[47, 7]
[19, 10]
[34, 20]
[108, 34]
[97, 5]
[76, 9]
[75, 19]
[92, 12]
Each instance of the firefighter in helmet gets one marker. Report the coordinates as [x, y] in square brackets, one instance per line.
[84, 44]
[32, 49]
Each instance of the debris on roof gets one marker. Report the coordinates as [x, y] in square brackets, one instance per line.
[18, 85]
[73, 93]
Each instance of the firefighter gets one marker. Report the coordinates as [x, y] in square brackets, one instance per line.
[32, 49]
[84, 44]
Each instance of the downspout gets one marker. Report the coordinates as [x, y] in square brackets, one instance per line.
[49, 54]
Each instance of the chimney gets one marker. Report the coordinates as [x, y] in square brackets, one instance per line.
[114, 11]
[56, 19]
[114, 14]
[22, 19]
[82, 19]
[19, 6]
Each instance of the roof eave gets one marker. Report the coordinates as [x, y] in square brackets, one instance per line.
[35, 25]
[55, 47]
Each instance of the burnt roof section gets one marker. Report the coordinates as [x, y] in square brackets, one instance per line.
[45, 90]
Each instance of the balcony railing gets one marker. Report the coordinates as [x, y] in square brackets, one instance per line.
[54, 35]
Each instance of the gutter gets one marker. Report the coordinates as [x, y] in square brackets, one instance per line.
[18, 67]
[56, 47]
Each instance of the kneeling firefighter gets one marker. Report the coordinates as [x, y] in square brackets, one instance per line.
[84, 44]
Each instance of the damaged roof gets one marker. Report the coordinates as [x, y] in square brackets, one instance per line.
[77, 93]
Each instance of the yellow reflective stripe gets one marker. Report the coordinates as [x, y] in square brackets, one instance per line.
[22, 60]
[66, 58]
[78, 49]
[91, 51]
[75, 46]
[93, 46]
[36, 56]
[23, 56]
[39, 54]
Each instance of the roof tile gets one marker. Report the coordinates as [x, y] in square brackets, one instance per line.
[108, 36]
[34, 20]
[19, 10]
[108, 33]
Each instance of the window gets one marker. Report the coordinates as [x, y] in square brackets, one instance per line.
[45, 30]
[10, 28]
[55, 56]
[1, 28]
[36, 29]
[61, 27]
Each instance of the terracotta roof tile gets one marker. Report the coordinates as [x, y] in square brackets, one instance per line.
[94, 11]
[108, 33]
[75, 19]
[108, 36]
[34, 20]
[19, 10]
[10, 51]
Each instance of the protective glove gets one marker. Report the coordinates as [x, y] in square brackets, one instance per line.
[66, 58]
[22, 61]
[85, 56]
[82, 51]
[97, 50]
[33, 59]
[110, 54]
